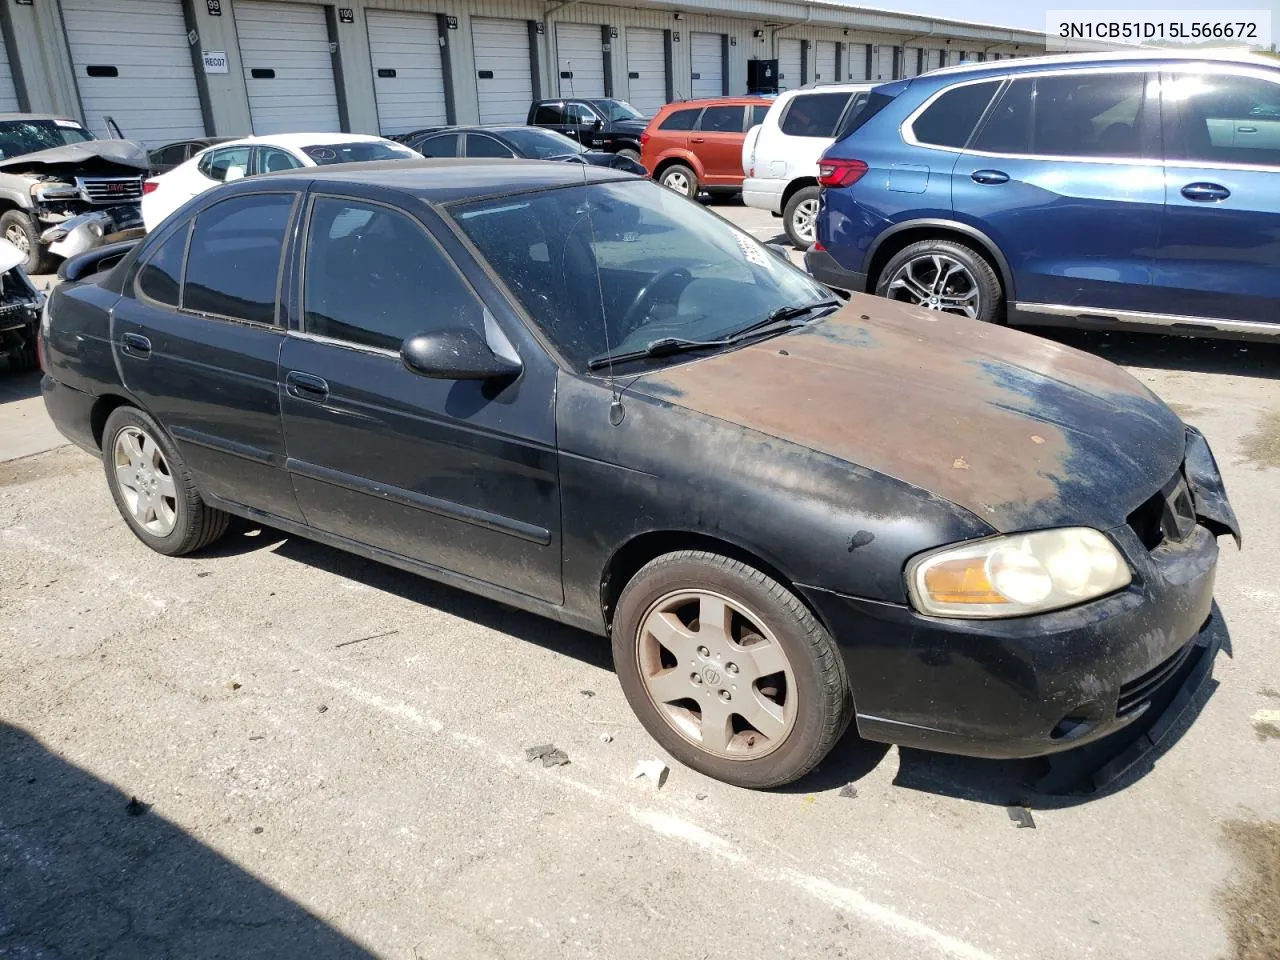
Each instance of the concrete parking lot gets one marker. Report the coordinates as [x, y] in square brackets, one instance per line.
[275, 749]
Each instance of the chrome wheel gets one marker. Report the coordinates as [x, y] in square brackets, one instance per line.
[18, 237]
[146, 483]
[936, 281]
[676, 180]
[717, 675]
[805, 220]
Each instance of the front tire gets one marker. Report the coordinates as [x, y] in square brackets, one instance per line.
[944, 275]
[681, 179]
[20, 230]
[728, 670]
[800, 218]
[152, 488]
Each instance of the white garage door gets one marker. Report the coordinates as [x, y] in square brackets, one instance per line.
[856, 68]
[646, 70]
[581, 59]
[910, 61]
[132, 63]
[288, 69]
[789, 77]
[885, 61]
[8, 94]
[408, 74]
[706, 53]
[824, 62]
[504, 73]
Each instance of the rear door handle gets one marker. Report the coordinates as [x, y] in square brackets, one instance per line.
[698, 140]
[1246, 129]
[304, 386]
[1205, 192]
[989, 176]
[136, 345]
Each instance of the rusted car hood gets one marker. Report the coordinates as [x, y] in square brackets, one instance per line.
[124, 153]
[1021, 431]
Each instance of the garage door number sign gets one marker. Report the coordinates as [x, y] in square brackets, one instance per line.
[215, 61]
[215, 7]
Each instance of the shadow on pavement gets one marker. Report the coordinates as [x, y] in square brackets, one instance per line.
[1193, 354]
[18, 386]
[86, 872]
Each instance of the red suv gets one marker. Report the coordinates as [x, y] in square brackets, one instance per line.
[697, 144]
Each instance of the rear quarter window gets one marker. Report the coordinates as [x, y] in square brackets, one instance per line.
[856, 119]
[950, 119]
[680, 119]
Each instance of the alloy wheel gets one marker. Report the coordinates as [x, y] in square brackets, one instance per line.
[146, 482]
[717, 674]
[936, 281]
[677, 181]
[18, 237]
[804, 221]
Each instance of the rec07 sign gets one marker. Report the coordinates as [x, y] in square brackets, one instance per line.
[215, 61]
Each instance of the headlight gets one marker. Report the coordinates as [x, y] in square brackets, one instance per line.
[54, 191]
[1016, 575]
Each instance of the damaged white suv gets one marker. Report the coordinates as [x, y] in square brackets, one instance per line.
[61, 190]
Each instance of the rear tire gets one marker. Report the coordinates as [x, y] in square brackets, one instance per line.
[728, 670]
[800, 218]
[153, 489]
[630, 154]
[681, 179]
[911, 275]
[19, 229]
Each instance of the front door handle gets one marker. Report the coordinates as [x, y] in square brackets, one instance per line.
[136, 345]
[989, 176]
[305, 386]
[1246, 129]
[1205, 192]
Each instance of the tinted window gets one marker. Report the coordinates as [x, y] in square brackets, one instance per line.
[579, 114]
[758, 113]
[171, 155]
[234, 260]
[721, 120]
[951, 118]
[854, 119]
[549, 113]
[481, 146]
[445, 145]
[374, 277]
[814, 115]
[230, 162]
[1226, 119]
[1090, 115]
[540, 144]
[271, 159]
[160, 278]
[680, 120]
[357, 151]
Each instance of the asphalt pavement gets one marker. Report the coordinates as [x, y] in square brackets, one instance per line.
[274, 749]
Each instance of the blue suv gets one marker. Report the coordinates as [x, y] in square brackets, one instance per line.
[1135, 190]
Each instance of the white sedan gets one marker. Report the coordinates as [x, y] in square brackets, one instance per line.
[243, 158]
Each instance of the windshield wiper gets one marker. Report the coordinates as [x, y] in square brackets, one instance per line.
[664, 347]
[783, 316]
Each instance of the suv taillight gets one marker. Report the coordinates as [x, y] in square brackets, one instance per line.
[644, 138]
[840, 173]
[150, 186]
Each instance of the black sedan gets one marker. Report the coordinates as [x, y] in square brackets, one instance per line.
[577, 393]
[514, 142]
[163, 159]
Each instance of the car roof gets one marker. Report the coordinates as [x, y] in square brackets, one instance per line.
[439, 181]
[712, 102]
[37, 116]
[297, 140]
[1109, 59]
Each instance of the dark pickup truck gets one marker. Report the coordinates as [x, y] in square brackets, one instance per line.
[598, 124]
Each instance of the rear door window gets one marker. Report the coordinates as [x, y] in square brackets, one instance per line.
[549, 113]
[680, 119]
[721, 120]
[160, 278]
[233, 260]
[949, 120]
[1074, 115]
[814, 114]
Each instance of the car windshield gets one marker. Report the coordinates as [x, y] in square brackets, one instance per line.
[608, 268]
[19, 137]
[618, 110]
[358, 151]
[539, 144]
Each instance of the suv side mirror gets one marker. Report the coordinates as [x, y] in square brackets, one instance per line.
[597, 124]
[456, 354]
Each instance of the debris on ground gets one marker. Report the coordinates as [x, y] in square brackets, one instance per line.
[375, 636]
[587, 693]
[606, 738]
[700, 796]
[322, 708]
[849, 791]
[1266, 723]
[257, 829]
[1021, 817]
[655, 770]
[233, 685]
[136, 807]
[258, 737]
[548, 753]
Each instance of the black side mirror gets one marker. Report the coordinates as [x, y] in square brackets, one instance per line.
[457, 354]
[597, 124]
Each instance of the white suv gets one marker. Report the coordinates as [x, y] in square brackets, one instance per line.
[780, 156]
